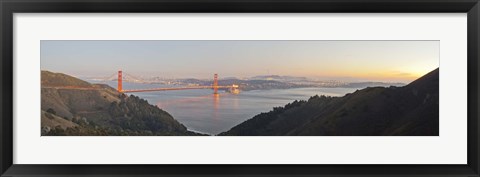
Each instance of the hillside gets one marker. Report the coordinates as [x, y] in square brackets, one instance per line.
[71, 106]
[406, 111]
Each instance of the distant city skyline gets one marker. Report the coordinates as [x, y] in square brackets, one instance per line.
[385, 61]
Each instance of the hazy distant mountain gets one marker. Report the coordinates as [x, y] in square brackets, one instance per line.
[71, 106]
[278, 78]
[305, 82]
[408, 110]
[285, 82]
[246, 85]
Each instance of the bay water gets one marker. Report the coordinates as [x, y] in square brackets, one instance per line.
[202, 111]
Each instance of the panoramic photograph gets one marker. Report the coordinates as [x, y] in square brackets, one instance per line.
[239, 88]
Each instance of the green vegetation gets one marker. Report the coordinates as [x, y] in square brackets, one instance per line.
[408, 110]
[99, 111]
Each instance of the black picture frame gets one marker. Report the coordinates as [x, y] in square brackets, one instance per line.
[9, 7]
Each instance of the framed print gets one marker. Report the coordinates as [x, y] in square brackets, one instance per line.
[239, 88]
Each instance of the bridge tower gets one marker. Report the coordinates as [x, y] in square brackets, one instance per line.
[215, 84]
[119, 81]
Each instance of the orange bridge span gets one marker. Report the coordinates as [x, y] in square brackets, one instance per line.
[214, 86]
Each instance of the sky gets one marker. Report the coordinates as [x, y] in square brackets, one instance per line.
[385, 61]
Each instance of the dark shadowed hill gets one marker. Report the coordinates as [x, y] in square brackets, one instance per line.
[409, 110]
[71, 106]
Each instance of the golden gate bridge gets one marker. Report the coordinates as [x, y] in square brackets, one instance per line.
[121, 77]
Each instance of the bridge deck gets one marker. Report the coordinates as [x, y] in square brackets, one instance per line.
[176, 88]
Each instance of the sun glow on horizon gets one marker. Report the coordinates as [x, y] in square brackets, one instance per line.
[386, 61]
